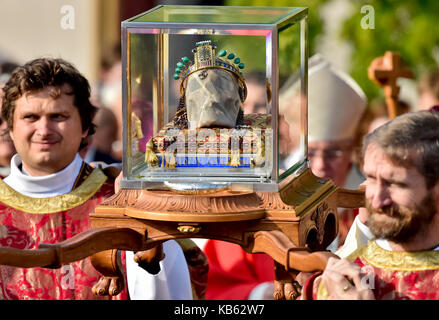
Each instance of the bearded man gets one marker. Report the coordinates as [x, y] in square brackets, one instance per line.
[402, 199]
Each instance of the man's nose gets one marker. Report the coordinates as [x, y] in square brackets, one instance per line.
[380, 197]
[43, 126]
[319, 165]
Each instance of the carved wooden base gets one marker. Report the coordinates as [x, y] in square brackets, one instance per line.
[289, 225]
[293, 226]
[108, 263]
[285, 285]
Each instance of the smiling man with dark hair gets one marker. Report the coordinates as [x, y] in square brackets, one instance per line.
[51, 191]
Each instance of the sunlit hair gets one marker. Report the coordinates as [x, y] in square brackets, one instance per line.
[411, 139]
[47, 72]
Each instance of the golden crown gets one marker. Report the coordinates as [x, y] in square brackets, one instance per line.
[205, 58]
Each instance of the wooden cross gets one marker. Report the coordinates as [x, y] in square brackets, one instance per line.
[385, 71]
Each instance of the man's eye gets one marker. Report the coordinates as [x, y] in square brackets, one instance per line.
[400, 185]
[58, 117]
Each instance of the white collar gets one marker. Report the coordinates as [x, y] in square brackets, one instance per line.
[383, 244]
[364, 229]
[43, 186]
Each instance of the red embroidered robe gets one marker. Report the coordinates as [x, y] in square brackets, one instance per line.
[22, 229]
[391, 275]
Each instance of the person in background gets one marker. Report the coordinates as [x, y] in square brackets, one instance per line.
[109, 91]
[428, 90]
[7, 149]
[256, 101]
[336, 100]
[288, 142]
[100, 149]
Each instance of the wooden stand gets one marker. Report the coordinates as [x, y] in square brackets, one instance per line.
[289, 225]
[293, 226]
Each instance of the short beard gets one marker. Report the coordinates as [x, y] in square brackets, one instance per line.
[401, 224]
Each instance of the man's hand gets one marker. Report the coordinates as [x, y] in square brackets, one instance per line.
[342, 279]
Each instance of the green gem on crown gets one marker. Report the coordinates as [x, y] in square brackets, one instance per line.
[206, 57]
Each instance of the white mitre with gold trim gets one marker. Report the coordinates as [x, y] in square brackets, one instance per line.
[336, 102]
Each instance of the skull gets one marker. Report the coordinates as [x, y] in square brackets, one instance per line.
[212, 99]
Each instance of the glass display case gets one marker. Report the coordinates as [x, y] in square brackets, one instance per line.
[201, 96]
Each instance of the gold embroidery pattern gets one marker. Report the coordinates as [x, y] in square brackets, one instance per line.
[322, 292]
[356, 253]
[378, 257]
[401, 261]
[63, 202]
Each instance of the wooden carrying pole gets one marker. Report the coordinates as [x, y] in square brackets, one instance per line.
[385, 71]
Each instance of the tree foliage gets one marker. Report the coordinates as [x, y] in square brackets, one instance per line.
[409, 27]
[289, 45]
